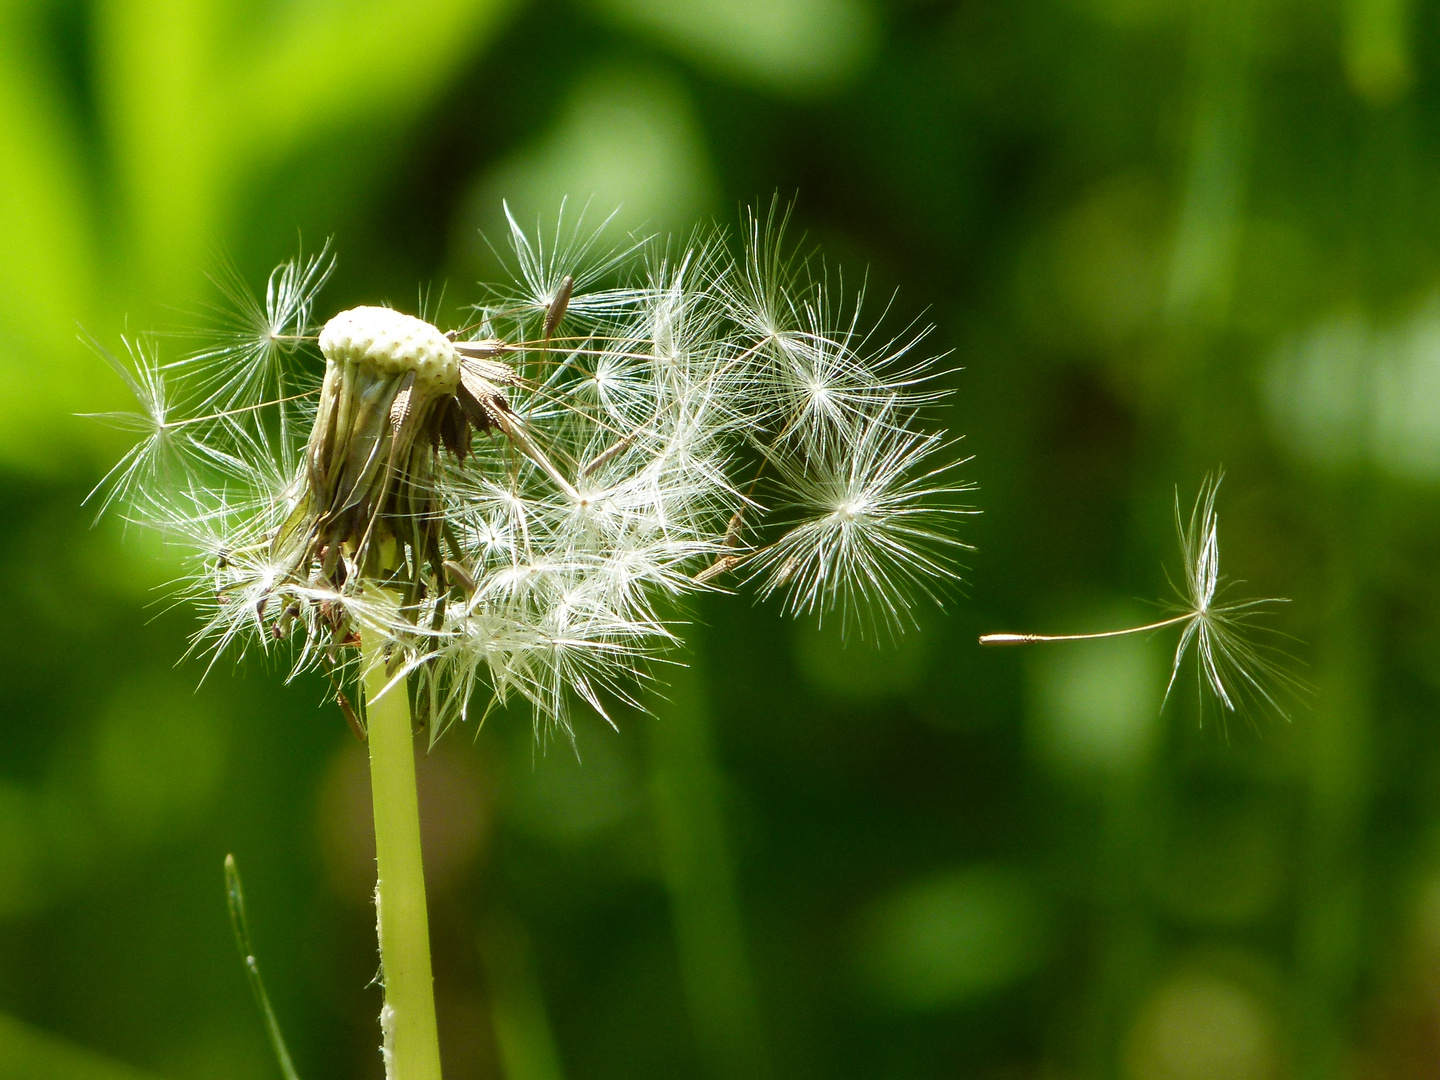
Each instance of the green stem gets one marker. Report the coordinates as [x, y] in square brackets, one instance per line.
[412, 1047]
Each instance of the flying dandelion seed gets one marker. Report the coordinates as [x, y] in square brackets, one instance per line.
[1240, 674]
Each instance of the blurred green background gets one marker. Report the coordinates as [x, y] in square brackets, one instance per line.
[1159, 235]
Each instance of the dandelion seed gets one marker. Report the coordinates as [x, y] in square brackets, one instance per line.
[1241, 674]
[248, 359]
[870, 527]
[169, 446]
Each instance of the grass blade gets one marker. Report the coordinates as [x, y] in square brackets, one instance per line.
[235, 898]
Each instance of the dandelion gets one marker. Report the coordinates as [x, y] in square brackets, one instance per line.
[446, 520]
[1240, 674]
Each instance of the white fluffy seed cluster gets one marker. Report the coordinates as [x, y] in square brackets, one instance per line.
[674, 420]
[390, 342]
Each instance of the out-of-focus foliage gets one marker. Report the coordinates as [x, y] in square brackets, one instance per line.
[135, 132]
[1159, 236]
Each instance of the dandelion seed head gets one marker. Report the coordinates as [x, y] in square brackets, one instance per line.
[519, 504]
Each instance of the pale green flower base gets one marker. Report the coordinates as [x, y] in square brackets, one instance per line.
[411, 1048]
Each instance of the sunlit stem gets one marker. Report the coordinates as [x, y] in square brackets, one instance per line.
[411, 1047]
[1031, 639]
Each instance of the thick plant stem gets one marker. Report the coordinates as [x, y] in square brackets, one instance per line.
[411, 1048]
